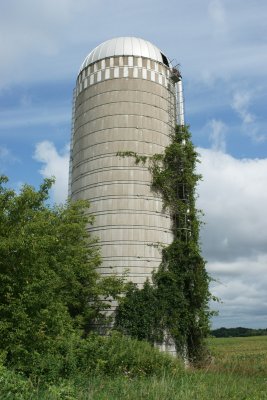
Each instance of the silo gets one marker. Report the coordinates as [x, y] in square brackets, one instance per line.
[124, 100]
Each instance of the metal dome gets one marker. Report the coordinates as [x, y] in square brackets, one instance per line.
[125, 46]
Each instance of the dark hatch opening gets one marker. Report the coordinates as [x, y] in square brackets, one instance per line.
[164, 59]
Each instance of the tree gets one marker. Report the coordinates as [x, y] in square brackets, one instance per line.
[50, 290]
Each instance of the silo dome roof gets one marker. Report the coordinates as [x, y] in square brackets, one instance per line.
[125, 46]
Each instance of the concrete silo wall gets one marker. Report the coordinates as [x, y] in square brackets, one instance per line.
[122, 104]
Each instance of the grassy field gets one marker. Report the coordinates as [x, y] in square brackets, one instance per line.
[245, 357]
[238, 371]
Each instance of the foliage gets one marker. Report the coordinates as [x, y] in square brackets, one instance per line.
[176, 303]
[94, 356]
[238, 332]
[15, 386]
[118, 354]
[50, 291]
[238, 372]
[138, 313]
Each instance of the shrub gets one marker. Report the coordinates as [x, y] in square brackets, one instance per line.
[14, 386]
[118, 354]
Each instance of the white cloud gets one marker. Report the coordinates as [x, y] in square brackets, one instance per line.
[217, 135]
[55, 164]
[241, 102]
[242, 289]
[233, 196]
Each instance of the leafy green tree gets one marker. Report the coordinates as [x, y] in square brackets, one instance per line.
[50, 291]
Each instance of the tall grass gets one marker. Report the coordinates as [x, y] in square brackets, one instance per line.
[191, 386]
[238, 372]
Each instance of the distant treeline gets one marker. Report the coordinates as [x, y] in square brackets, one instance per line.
[238, 332]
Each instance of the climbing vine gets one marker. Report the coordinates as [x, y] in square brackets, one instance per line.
[175, 304]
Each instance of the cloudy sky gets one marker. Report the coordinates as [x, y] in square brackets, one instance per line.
[221, 46]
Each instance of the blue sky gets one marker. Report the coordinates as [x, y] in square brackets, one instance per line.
[221, 46]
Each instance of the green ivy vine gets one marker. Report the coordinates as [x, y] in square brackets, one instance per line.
[176, 302]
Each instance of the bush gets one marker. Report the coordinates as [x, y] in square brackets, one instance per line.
[14, 386]
[50, 291]
[121, 355]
